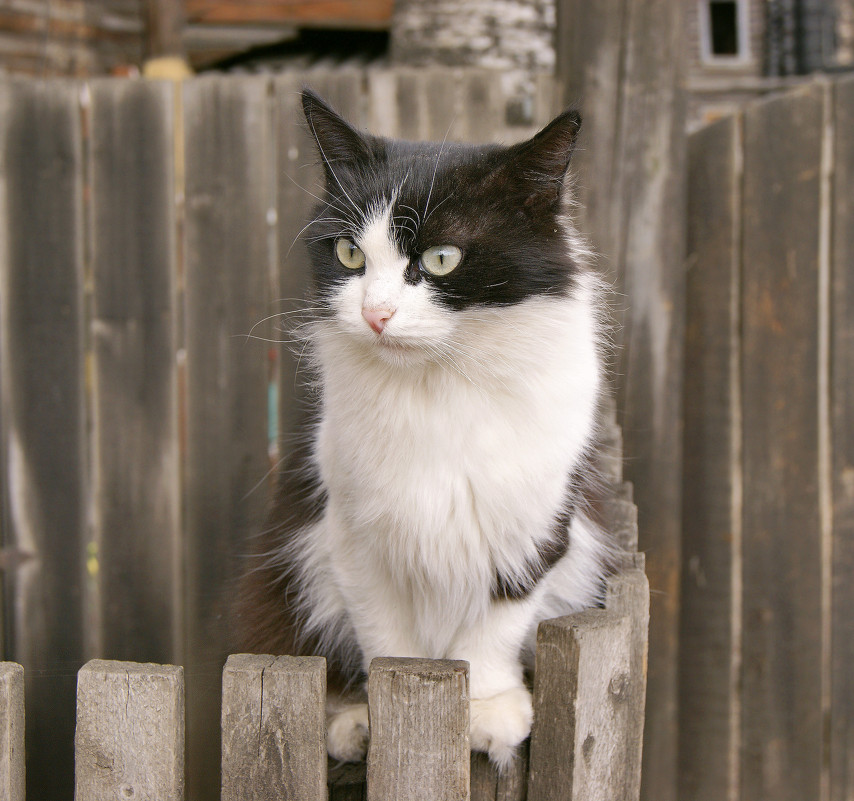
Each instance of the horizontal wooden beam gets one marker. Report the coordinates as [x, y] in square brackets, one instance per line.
[375, 14]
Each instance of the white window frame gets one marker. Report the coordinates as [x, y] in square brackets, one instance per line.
[738, 59]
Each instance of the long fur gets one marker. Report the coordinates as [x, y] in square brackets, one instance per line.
[438, 506]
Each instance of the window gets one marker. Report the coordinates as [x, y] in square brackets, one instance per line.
[723, 31]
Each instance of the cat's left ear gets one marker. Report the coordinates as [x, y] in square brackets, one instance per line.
[541, 163]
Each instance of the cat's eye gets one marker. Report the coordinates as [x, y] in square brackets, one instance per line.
[441, 259]
[348, 254]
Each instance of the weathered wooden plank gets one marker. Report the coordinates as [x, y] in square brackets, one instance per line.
[130, 731]
[274, 728]
[487, 784]
[842, 428]
[136, 477]
[419, 712]
[43, 411]
[711, 583]
[581, 678]
[626, 68]
[11, 731]
[306, 13]
[627, 594]
[782, 636]
[228, 290]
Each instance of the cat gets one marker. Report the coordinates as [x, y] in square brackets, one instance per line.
[437, 506]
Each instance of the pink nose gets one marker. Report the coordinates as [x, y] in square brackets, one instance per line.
[377, 318]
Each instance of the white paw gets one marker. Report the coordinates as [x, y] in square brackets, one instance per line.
[500, 723]
[347, 733]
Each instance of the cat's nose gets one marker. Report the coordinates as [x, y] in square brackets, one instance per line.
[377, 318]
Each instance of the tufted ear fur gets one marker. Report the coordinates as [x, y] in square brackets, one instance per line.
[538, 166]
[338, 142]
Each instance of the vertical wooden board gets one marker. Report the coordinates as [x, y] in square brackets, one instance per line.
[419, 713]
[129, 741]
[580, 712]
[136, 475]
[227, 291]
[11, 731]
[782, 636]
[298, 188]
[628, 595]
[43, 411]
[710, 614]
[842, 436]
[487, 784]
[626, 67]
[274, 728]
[482, 106]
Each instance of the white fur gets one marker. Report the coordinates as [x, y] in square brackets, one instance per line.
[445, 444]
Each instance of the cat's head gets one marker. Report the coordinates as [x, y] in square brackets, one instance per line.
[412, 238]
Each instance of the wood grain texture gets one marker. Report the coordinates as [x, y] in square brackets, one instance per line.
[134, 322]
[842, 426]
[487, 784]
[711, 580]
[626, 70]
[44, 411]
[130, 731]
[12, 773]
[627, 594]
[581, 708]
[782, 726]
[274, 728]
[419, 713]
[311, 13]
[228, 275]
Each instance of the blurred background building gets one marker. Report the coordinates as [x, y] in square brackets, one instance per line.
[737, 49]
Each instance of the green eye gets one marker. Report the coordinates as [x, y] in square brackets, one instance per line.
[348, 254]
[441, 259]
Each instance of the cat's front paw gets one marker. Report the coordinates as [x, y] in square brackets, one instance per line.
[347, 733]
[500, 723]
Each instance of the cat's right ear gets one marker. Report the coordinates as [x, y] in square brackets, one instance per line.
[337, 141]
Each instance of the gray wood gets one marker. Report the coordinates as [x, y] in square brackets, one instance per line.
[130, 731]
[628, 595]
[782, 725]
[274, 728]
[12, 775]
[44, 411]
[134, 381]
[228, 286]
[419, 713]
[487, 784]
[621, 521]
[625, 67]
[711, 600]
[581, 686]
[842, 426]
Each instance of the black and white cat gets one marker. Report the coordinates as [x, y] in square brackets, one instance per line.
[437, 509]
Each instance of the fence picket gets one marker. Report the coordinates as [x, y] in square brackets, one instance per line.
[710, 625]
[582, 678]
[274, 728]
[130, 731]
[842, 423]
[228, 290]
[419, 713]
[782, 638]
[43, 415]
[134, 324]
[11, 731]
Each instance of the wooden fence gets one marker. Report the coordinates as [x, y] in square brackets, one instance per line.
[589, 688]
[767, 630]
[145, 228]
